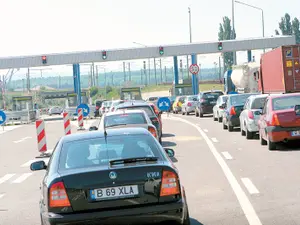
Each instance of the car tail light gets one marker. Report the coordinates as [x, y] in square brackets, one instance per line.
[58, 196]
[97, 107]
[112, 109]
[274, 120]
[250, 115]
[202, 100]
[169, 184]
[152, 131]
[178, 104]
[189, 104]
[232, 111]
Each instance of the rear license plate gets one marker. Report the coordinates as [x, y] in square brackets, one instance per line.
[295, 133]
[114, 192]
[213, 102]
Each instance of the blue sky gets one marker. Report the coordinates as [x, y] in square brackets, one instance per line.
[52, 26]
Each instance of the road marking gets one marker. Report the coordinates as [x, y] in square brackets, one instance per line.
[227, 155]
[1, 195]
[245, 203]
[214, 139]
[9, 128]
[6, 177]
[205, 130]
[23, 139]
[250, 186]
[21, 178]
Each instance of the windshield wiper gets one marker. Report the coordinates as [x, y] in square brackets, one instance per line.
[115, 125]
[132, 160]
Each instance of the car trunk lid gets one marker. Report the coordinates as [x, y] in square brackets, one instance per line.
[288, 118]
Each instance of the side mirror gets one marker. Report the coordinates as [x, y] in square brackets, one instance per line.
[92, 128]
[39, 165]
[170, 152]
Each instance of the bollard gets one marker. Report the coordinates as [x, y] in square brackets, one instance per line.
[80, 119]
[41, 138]
[67, 124]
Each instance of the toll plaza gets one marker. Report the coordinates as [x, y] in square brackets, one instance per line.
[181, 89]
[131, 93]
[22, 109]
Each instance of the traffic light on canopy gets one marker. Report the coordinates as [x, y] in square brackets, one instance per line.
[161, 50]
[104, 55]
[44, 59]
[220, 46]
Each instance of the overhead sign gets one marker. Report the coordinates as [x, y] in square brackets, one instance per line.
[164, 104]
[85, 109]
[2, 117]
[194, 69]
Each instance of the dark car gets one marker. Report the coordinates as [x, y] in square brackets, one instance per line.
[148, 109]
[232, 110]
[206, 101]
[98, 106]
[121, 176]
[172, 100]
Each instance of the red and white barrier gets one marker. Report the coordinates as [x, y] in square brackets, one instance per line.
[67, 124]
[41, 136]
[80, 119]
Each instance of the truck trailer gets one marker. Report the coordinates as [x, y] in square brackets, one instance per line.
[280, 70]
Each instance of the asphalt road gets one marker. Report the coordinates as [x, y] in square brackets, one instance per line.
[229, 180]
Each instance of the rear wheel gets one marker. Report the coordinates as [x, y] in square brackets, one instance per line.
[196, 113]
[220, 118]
[249, 135]
[224, 126]
[201, 114]
[271, 145]
[230, 128]
[243, 133]
[262, 141]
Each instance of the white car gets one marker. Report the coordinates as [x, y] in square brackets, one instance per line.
[56, 110]
[218, 109]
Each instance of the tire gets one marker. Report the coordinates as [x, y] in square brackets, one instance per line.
[182, 113]
[196, 113]
[215, 118]
[249, 135]
[262, 141]
[224, 127]
[201, 114]
[220, 119]
[230, 128]
[272, 145]
[243, 133]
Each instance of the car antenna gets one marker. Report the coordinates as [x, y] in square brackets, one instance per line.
[105, 135]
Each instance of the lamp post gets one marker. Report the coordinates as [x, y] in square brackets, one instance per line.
[262, 15]
[190, 33]
[148, 60]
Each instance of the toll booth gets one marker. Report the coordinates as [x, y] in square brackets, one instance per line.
[72, 99]
[181, 89]
[131, 93]
[22, 103]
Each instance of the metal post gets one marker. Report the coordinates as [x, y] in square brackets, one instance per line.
[97, 76]
[161, 73]
[155, 71]
[181, 70]
[149, 72]
[105, 83]
[124, 71]
[220, 68]
[166, 74]
[129, 71]
[78, 84]
[233, 32]
[112, 78]
[28, 80]
[175, 69]
[263, 25]
[141, 76]
[190, 32]
[195, 82]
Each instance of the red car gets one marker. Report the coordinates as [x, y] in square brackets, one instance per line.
[280, 120]
[157, 113]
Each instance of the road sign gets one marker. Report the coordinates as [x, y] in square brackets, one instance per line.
[85, 108]
[194, 69]
[2, 117]
[164, 104]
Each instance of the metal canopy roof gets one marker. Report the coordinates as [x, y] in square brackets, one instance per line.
[146, 52]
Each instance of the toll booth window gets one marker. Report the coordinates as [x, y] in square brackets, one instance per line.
[72, 101]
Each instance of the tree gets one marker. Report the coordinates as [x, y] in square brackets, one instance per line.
[226, 33]
[288, 27]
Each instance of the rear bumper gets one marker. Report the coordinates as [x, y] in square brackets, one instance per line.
[278, 134]
[234, 121]
[190, 109]
[143, 215]
[206, 109]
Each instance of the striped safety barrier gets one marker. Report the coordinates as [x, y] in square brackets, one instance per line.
[67, 124]
[41, 136]
[80, 119]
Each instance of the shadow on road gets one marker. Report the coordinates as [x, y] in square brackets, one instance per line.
[168, 135]
[288, 147]
[195, 222]
[168, 144]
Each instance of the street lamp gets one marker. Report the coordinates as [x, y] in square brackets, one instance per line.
[148, 59]
[262, 15]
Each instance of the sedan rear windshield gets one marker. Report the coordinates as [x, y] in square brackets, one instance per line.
[192, 98]
[258, 103]
[147, 109]
[153, 99]
[212, 95]
[106, 104]
[239, 99]
[98, 151]
[126, 118]
[285, 102]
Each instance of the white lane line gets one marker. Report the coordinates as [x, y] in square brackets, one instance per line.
[227, 155]
[1, 195]
[21, 178]
[27, 164]
[23, 139]
[205, 130]
[245, 203]
[250, 186]
[18, 141]
[214, 139]
[6, 177]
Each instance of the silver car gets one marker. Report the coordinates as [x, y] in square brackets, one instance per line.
[189, 104]
[56, 110]
[218, 109]
[250, 115]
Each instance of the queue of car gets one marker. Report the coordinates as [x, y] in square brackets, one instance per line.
[274, 117]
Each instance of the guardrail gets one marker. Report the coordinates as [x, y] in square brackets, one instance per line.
[26, 116]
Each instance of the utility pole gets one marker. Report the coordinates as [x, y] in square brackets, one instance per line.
[181, 70]
[190, 32]
[155, 71]
[166, 75]
[97, 76]
[112, 78]
[129, 71]
[145, 72]
[124, 71]
[161, 73]
[233, 31]
[28, 80]
[59, 84]
[220, 73]
[141, 76]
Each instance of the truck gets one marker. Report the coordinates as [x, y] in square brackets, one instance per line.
[280, 70]
[245, 77]
[228, 85]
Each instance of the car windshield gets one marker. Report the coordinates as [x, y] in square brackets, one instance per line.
[107, 104]
[258, 103]
[147, 109]
[192, 98]
[224, 98]
[212, 95]
[153, 99]
[239, 99]
[126, 118]
[285, 102]
[98, 151]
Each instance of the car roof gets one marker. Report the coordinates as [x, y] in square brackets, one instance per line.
[272, 96]
[124, 111]
[211, 91]
[110, 133]
[133, 103]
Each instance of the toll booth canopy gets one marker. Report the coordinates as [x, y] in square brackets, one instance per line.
[134, 93]
[72, 99]
[182, 89]
[22, 103]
